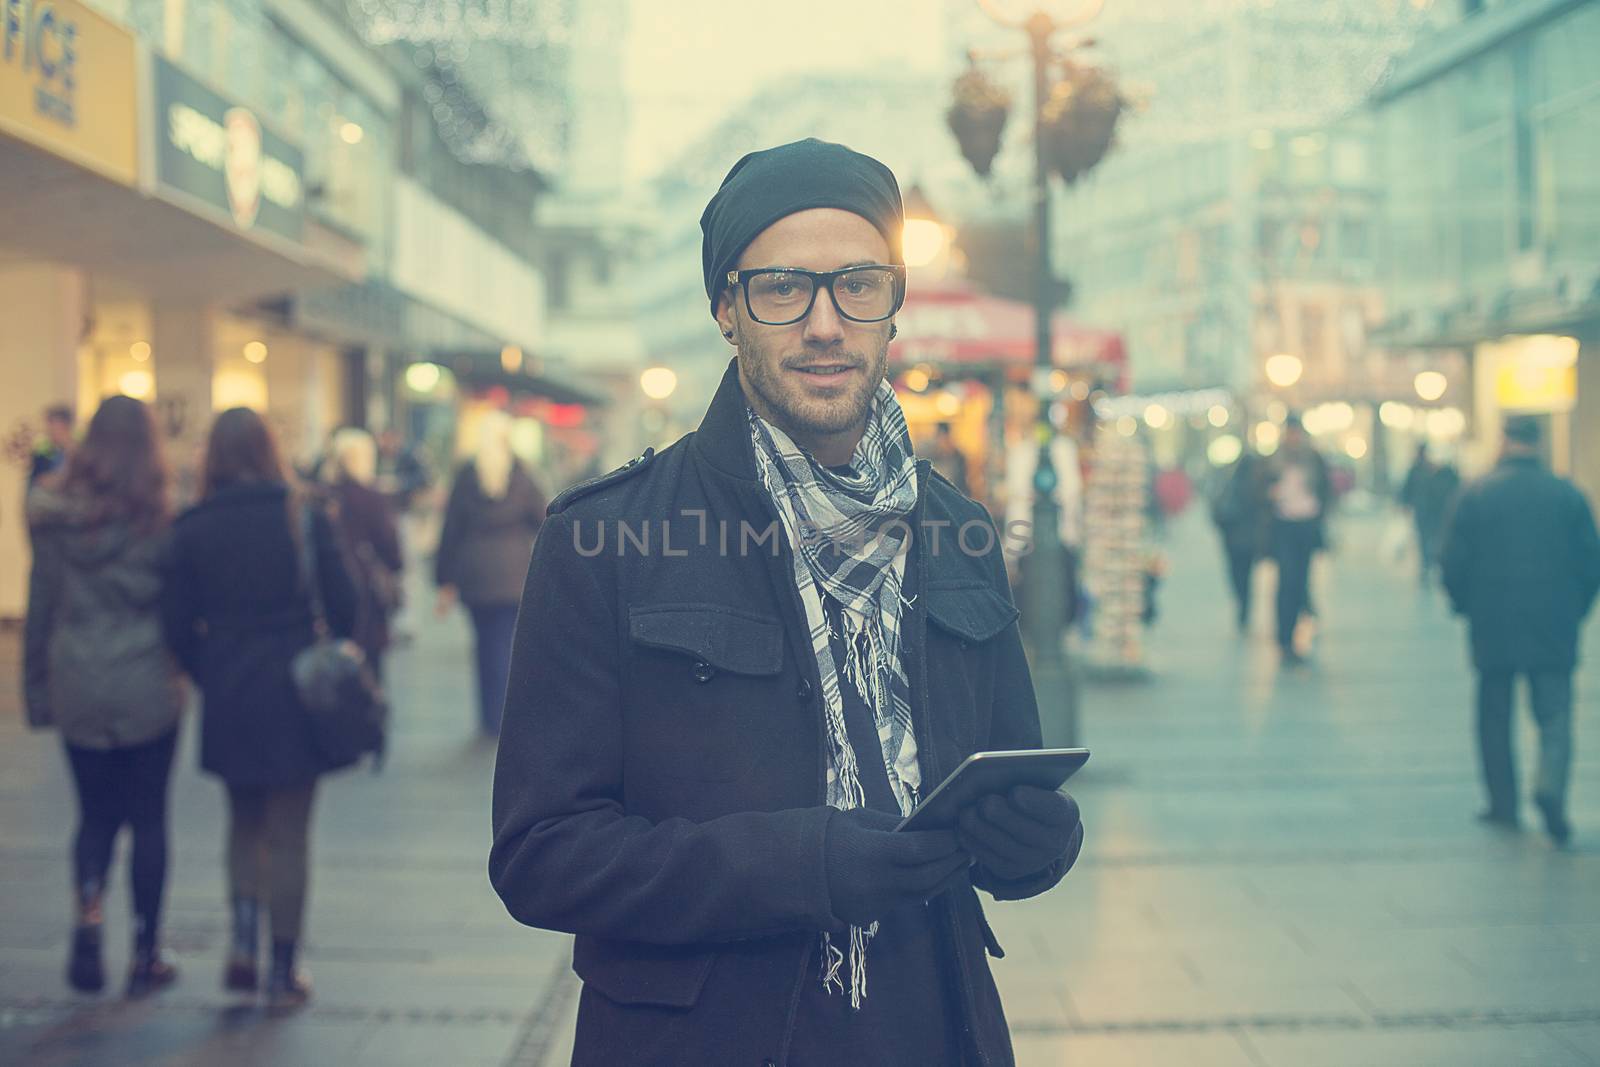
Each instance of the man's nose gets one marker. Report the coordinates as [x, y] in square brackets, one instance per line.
[824, 325]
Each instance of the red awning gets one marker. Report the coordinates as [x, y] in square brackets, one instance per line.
[953, 322]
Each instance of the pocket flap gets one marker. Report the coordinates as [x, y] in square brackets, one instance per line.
[726, 638]
[633, 972]
[971, 610]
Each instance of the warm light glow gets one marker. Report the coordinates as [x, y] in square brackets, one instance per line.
[948, 405]
[1080, 390]
[1283, 370]
[255, 352]
[1217, 416]
[1224, 450]
[1329, 418]
[1355, 448]
[1058, 381]
[1430, 385]
[351, 134]
[1127, 426]
[1157, 417]
[1397, 416]
[917, 380]
[658, 383]
[1446, 423]
[511, 359]
[422, 377]
[923, 241]
[140, 351]
[1268, 435]
[138, 384]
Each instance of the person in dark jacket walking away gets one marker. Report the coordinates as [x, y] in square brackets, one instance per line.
[490, 522]
[236, 611]
[371, 540]
[1298, 492]
[1521, 561]
[709, 742]
[1428, 492]
[96, 668]
[1239, 510]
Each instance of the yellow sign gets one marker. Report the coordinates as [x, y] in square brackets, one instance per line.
[67, 84]
[1535, 388]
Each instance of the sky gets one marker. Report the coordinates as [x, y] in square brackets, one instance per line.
[687, 63]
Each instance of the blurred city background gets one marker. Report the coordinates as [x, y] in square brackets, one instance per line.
[441, 219]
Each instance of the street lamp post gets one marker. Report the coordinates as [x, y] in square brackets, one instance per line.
[1082, 127]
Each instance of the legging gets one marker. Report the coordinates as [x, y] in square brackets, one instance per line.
[269, 834]
[124, 787]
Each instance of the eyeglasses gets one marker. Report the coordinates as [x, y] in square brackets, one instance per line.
[782, 296]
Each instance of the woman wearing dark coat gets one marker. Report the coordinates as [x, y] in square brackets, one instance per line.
[370, 538]
[236, 612]
[96, 668]
[490, 523]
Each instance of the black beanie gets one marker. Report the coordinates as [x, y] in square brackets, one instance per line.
[765, 186]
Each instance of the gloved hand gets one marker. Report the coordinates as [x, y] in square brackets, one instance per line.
[1022, 832]
[872, 870]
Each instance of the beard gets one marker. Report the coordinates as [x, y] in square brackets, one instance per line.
[776, 394]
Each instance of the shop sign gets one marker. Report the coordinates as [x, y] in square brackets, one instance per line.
[209, 149]
[1534, 374]
[67, 84]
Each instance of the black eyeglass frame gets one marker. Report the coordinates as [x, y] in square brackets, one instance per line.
[821, 280]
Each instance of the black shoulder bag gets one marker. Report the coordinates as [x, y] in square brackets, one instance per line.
[348, 711]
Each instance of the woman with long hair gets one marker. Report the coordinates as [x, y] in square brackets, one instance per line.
[96, 667]
[369, 534]
[493, 514]
[237, 610]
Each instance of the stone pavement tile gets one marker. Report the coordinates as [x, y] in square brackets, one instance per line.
[1101, 1002]
[405, 988]
[1033, 997]
[398, 1044]
[1584, 1039]
[1130, 1050]
[1436, 1048]
[1397, 992]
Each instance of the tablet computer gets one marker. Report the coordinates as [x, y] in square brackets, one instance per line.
[984, 773]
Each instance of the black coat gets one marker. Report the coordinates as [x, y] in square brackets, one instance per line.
[485, 542]
[1522, 562]
[236, 612]
[372, 550]
[660, 784]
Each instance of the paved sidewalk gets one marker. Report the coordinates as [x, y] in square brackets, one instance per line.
[1281, 869]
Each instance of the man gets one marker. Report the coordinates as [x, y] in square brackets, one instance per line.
[1429, 490]
[709, 742]
[949, 460]
[1298, 490]
[1239, 511]
[51, 454]
[1521, 561]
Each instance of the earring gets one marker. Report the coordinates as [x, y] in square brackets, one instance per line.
[728, 334]
[894, 331]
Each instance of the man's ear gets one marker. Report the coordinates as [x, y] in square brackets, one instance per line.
[727, 322]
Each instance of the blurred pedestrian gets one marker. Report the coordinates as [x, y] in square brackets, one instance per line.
[50, 455]
[1521, 561]
[1428, 492]
[1298, 492]
[490, 522]
[366, 524]
[96, 667]
[708, 749]
[1240, 510]
[948, 459]
[401, 472]
[237, 611]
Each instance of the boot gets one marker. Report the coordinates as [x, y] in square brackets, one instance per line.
[148, 969]
[85, 969]
[240, 976]
[288, 987]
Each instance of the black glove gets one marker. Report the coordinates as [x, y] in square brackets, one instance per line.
[872, 870]
[1022, 832]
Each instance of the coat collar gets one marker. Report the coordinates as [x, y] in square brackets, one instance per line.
[723, 439]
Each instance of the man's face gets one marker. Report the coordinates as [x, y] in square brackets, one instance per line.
[815, 377]
[59, 431]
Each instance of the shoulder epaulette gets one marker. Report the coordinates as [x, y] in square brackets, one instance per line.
[584, 488]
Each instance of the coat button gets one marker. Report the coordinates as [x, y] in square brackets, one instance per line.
[803, 690]
[703, 671]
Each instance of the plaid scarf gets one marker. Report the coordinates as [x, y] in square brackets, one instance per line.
[849, 533]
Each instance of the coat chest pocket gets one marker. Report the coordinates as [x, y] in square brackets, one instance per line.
[965, 616]
[704, 684]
